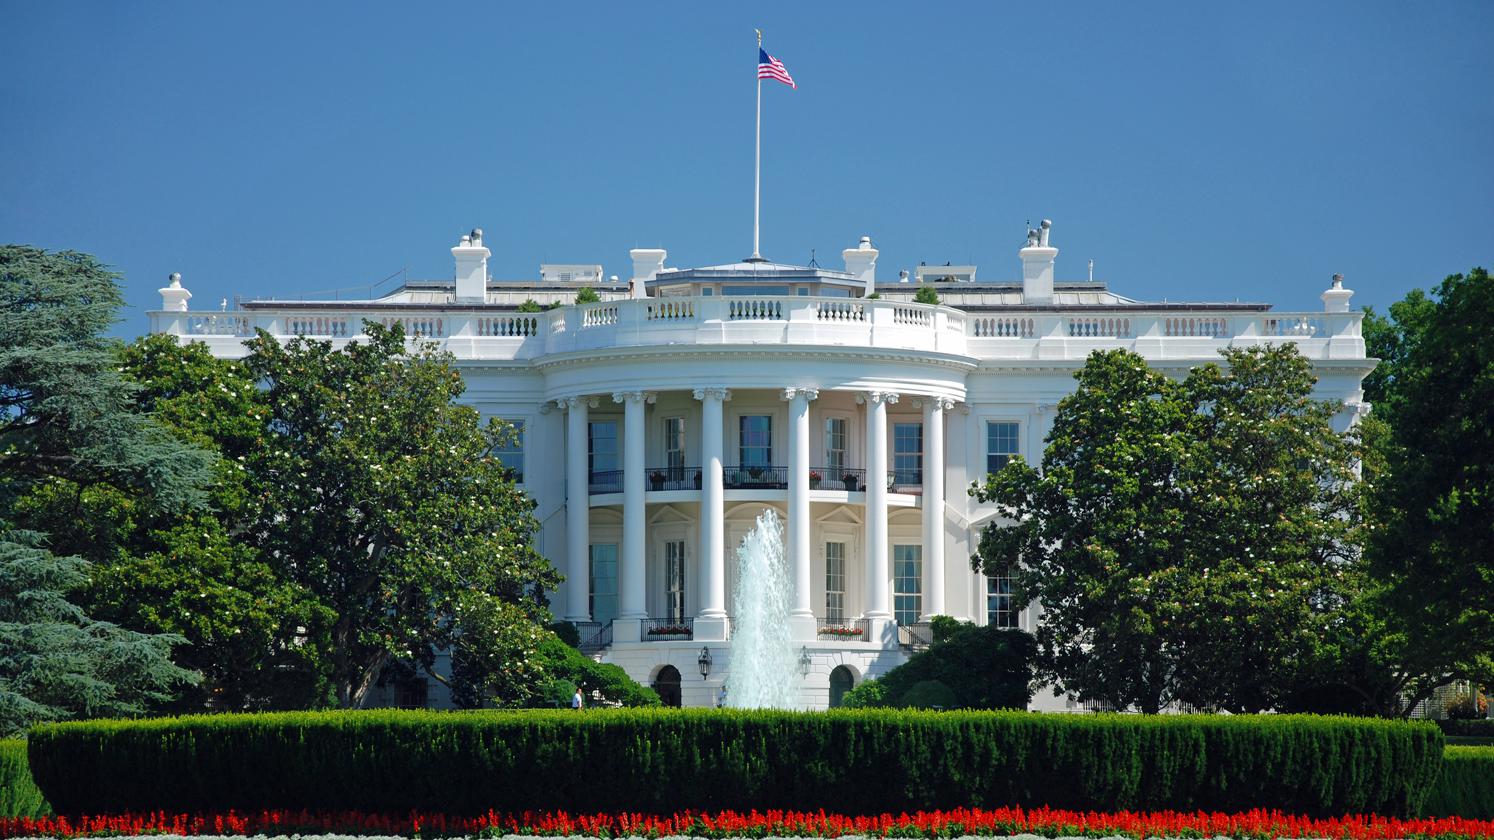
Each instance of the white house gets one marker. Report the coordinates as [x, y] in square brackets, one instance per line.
[658, 423]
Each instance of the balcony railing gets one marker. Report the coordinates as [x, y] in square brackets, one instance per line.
[674, 478]
[905, 480]
[837, 478]
[595, 636]
[755, 478]
[915, 636]
[668, 630]
[850, 629]
[605, 481]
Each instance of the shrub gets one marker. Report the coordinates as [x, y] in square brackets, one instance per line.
[19, 795]
[587, 295]
[869, 695]
[1468, 728]
[926, 294]
[930, 694]
[568, 633]
[663, 760]
[1467, 705]
[529, 305]
[1465, 787]
[610, 682]
[981, 667]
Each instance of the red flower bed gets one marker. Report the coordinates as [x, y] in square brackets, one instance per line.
[1251, 825]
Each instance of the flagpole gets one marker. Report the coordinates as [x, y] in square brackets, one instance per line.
[757, 165]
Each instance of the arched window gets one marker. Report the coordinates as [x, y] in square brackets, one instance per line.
[667, 684]
[842, 679]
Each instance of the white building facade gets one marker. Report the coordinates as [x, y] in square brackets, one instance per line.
[658, 423]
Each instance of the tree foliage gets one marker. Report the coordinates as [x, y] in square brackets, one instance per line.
[926, 294]
[1189, 540]
[1432, 545]
[377, 493]
[68, 422]
[966, 667]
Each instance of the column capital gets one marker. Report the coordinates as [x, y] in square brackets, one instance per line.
[807, 393]
[1044, 408]
[874, 397]
[568, 403]
[634, 396]
[943, 403]
[712, 392]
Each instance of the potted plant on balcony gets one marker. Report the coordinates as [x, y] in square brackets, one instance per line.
[697, 479]
[849, 480]
[755, 475]
[814, 480]
[891, 482]
[656, 480]
[841, 631]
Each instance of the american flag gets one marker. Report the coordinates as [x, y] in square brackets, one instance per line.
[769, 67]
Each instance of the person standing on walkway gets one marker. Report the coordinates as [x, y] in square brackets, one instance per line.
[576, 699]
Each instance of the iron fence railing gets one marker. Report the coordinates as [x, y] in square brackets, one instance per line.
[756, 478]
[915, 636]
[595, 636]
[668, 629]
[850, 629]
[837, 478]
[673, 478]
[606, 481]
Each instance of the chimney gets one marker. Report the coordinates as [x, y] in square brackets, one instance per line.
[647, 263]
[1037, 266]
[174, 298]
[861, 263]
[1336, 297]
[471, 268]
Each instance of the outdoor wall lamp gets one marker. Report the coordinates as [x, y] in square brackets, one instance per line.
[804, 661]
[704, 661]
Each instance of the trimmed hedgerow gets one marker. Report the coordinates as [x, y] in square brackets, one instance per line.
[1478, 728]
[19, 795]
[1465, 787]
[660, 761]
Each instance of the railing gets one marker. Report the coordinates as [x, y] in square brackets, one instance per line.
[915, 636]
[595, 636]
[904, 479]
[850, 629]
[605, 481]
[674, 478]
[789, 320]
[837, 478]
[668, 630]
[756, 478]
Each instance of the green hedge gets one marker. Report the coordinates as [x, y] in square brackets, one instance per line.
[663, 760]
[1481, 728]
[19, 796]
[1465, 787]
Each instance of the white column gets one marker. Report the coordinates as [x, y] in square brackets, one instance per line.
[933, 505]
[877, 602]
[577, 510]
[710, 620]
[801, 617]
[630, 583]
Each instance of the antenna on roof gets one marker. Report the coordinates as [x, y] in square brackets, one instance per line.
[812, 262]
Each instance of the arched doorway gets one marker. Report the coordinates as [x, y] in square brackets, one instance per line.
[667, 684]
[841, 680]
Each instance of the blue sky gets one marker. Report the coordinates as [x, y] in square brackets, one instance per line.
[1194, 151]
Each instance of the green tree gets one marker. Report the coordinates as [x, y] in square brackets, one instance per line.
[966, 667]
[377, 493]
[529, 305]
[587, 295]
[185, 572]
[926, 294]
[1188, 540]
[68, 418]
[1432, 547]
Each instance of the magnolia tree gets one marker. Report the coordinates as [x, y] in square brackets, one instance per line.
[1191, 540]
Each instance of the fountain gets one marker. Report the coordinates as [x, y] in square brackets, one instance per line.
[762, 654]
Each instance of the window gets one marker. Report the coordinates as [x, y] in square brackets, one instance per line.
[1000, 610]
[674, 580]
[835, 582]
[511, 452]
[602, 447]
[835, 447]
[674, 448]
[755, 443]
[907, 583]
[603, 582]
[1001, 445]
[907, 453]
[751, 291]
